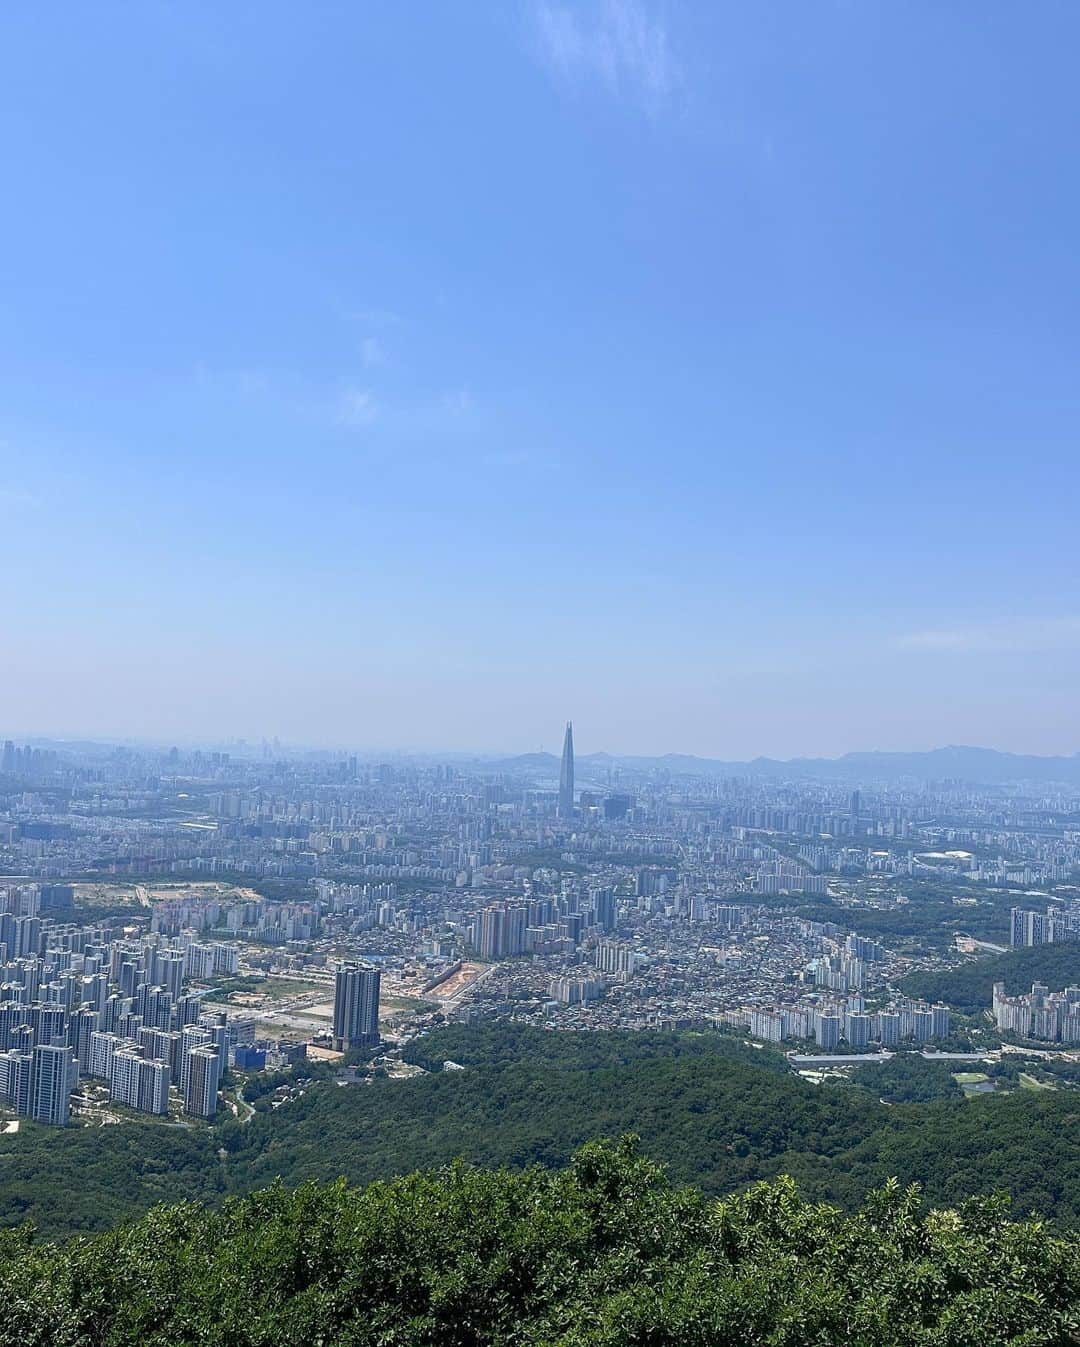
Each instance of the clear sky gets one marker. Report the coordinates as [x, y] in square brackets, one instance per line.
[419, 375]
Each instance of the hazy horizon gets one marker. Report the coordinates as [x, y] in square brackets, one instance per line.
[584, 749]
[706, 373]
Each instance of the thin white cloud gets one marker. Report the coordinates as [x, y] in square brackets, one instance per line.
[616, 42]
[457, 403]
[378, 318]
[357, 408]
[999, 635]
[243, 383]
[371, 352]
[508, 458]
[14, 498]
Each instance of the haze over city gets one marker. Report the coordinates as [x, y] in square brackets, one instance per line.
[539, 736]
[704, 372]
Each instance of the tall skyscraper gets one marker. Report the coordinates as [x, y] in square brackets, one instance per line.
[356, 1006]
[566, 775]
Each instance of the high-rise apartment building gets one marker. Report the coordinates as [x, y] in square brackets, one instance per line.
[356, 1006]
[16, 1079]
[192, 1036]
[500, 931]
[857, 1028]
[827, 1030]
[603, 907]
[201, 1089]
[51, 1084]
[1041, 1014]
[168, 970]
[618, 961]
[140, 1083]
[1042, 928]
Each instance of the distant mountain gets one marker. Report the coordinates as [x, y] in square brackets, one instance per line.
[969, 764]
[978, 765]
[529, 762]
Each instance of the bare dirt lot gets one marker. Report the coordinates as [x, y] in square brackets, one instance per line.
[456, 983]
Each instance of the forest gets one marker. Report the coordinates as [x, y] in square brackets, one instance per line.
[720, 1114]
[929, 919]
[908, 1079]
[969, 987]
[606, 1252]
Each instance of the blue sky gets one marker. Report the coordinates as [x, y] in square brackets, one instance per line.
[420, 375]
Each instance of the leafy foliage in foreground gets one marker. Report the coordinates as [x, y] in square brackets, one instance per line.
[603, 1254]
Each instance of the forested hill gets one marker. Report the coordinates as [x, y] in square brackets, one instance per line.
[603, 1254]
[720, 1114]
[969, 987]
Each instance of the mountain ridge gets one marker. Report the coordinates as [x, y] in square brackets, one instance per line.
[954, 761]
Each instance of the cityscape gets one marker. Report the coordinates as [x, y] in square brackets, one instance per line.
[539, 735]
[171, 920]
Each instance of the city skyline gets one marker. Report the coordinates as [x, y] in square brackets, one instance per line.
[539, 736]
[168, 915]
[627, 367]
[963, 759]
